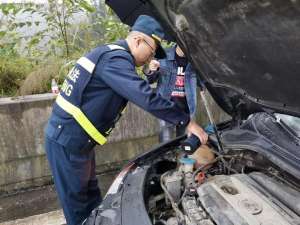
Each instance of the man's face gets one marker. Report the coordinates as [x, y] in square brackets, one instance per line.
[144, 49]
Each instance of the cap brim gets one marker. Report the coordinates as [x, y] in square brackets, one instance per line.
[160, 52]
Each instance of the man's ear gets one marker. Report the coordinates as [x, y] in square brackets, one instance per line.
[138, 40]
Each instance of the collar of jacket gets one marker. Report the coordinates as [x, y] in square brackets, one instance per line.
[171, 53]
[124, 44]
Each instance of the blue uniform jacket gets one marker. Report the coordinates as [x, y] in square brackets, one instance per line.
[114, 82]
[166, 79]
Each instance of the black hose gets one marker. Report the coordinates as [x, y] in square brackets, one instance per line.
[201, 169]
[221, 156]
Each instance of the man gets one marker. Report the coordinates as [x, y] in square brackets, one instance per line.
[176, 81]
[91, 100]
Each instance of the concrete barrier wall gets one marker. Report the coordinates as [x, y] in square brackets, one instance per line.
[22, 157]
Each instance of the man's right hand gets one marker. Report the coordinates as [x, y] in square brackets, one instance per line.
[154, 65]
[194, 128]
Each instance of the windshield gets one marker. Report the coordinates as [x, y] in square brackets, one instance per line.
[291, 121]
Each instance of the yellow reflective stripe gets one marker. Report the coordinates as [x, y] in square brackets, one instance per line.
[81, 119]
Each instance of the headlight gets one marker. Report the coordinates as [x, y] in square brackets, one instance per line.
[117, 183]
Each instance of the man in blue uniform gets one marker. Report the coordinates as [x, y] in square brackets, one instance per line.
[91, 100]
[177, 81]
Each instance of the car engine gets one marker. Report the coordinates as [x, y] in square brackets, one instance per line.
[209, 188]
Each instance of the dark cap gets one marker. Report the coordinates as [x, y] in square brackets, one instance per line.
[149, 26]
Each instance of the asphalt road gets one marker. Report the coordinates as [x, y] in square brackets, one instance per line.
[39, 206]
[50, 218]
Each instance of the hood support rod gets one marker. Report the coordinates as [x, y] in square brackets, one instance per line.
[210, 117]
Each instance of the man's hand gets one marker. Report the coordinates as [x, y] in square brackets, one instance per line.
[194, 128]
[154, 65]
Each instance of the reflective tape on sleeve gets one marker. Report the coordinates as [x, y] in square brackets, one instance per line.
[81, 119]
[86, 64]
[115, 47]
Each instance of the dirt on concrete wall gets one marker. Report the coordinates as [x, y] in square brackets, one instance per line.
[22, 157]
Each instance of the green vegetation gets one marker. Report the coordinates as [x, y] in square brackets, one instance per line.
[28, 63]
[12, 74]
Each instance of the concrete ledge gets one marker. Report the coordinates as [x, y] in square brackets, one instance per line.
[22, 157]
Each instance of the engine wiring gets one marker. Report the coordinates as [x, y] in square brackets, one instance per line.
[202, 169]
[224, 162]
[174, 205]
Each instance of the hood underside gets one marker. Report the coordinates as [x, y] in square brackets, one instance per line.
[248, 52]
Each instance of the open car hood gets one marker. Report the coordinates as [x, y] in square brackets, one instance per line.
[247, 52]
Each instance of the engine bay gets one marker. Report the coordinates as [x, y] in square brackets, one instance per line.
[254, 178]
[207, 188]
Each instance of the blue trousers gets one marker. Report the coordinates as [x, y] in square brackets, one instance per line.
[75, 181]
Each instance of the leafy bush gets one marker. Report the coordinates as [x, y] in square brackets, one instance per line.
[39, 80]
[13, 70]
[32, 73]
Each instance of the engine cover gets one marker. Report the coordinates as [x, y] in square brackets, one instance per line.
[240, 199]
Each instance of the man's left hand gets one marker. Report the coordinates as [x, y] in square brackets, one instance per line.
[194, 128]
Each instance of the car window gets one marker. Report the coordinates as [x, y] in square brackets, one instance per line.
[291, 121]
